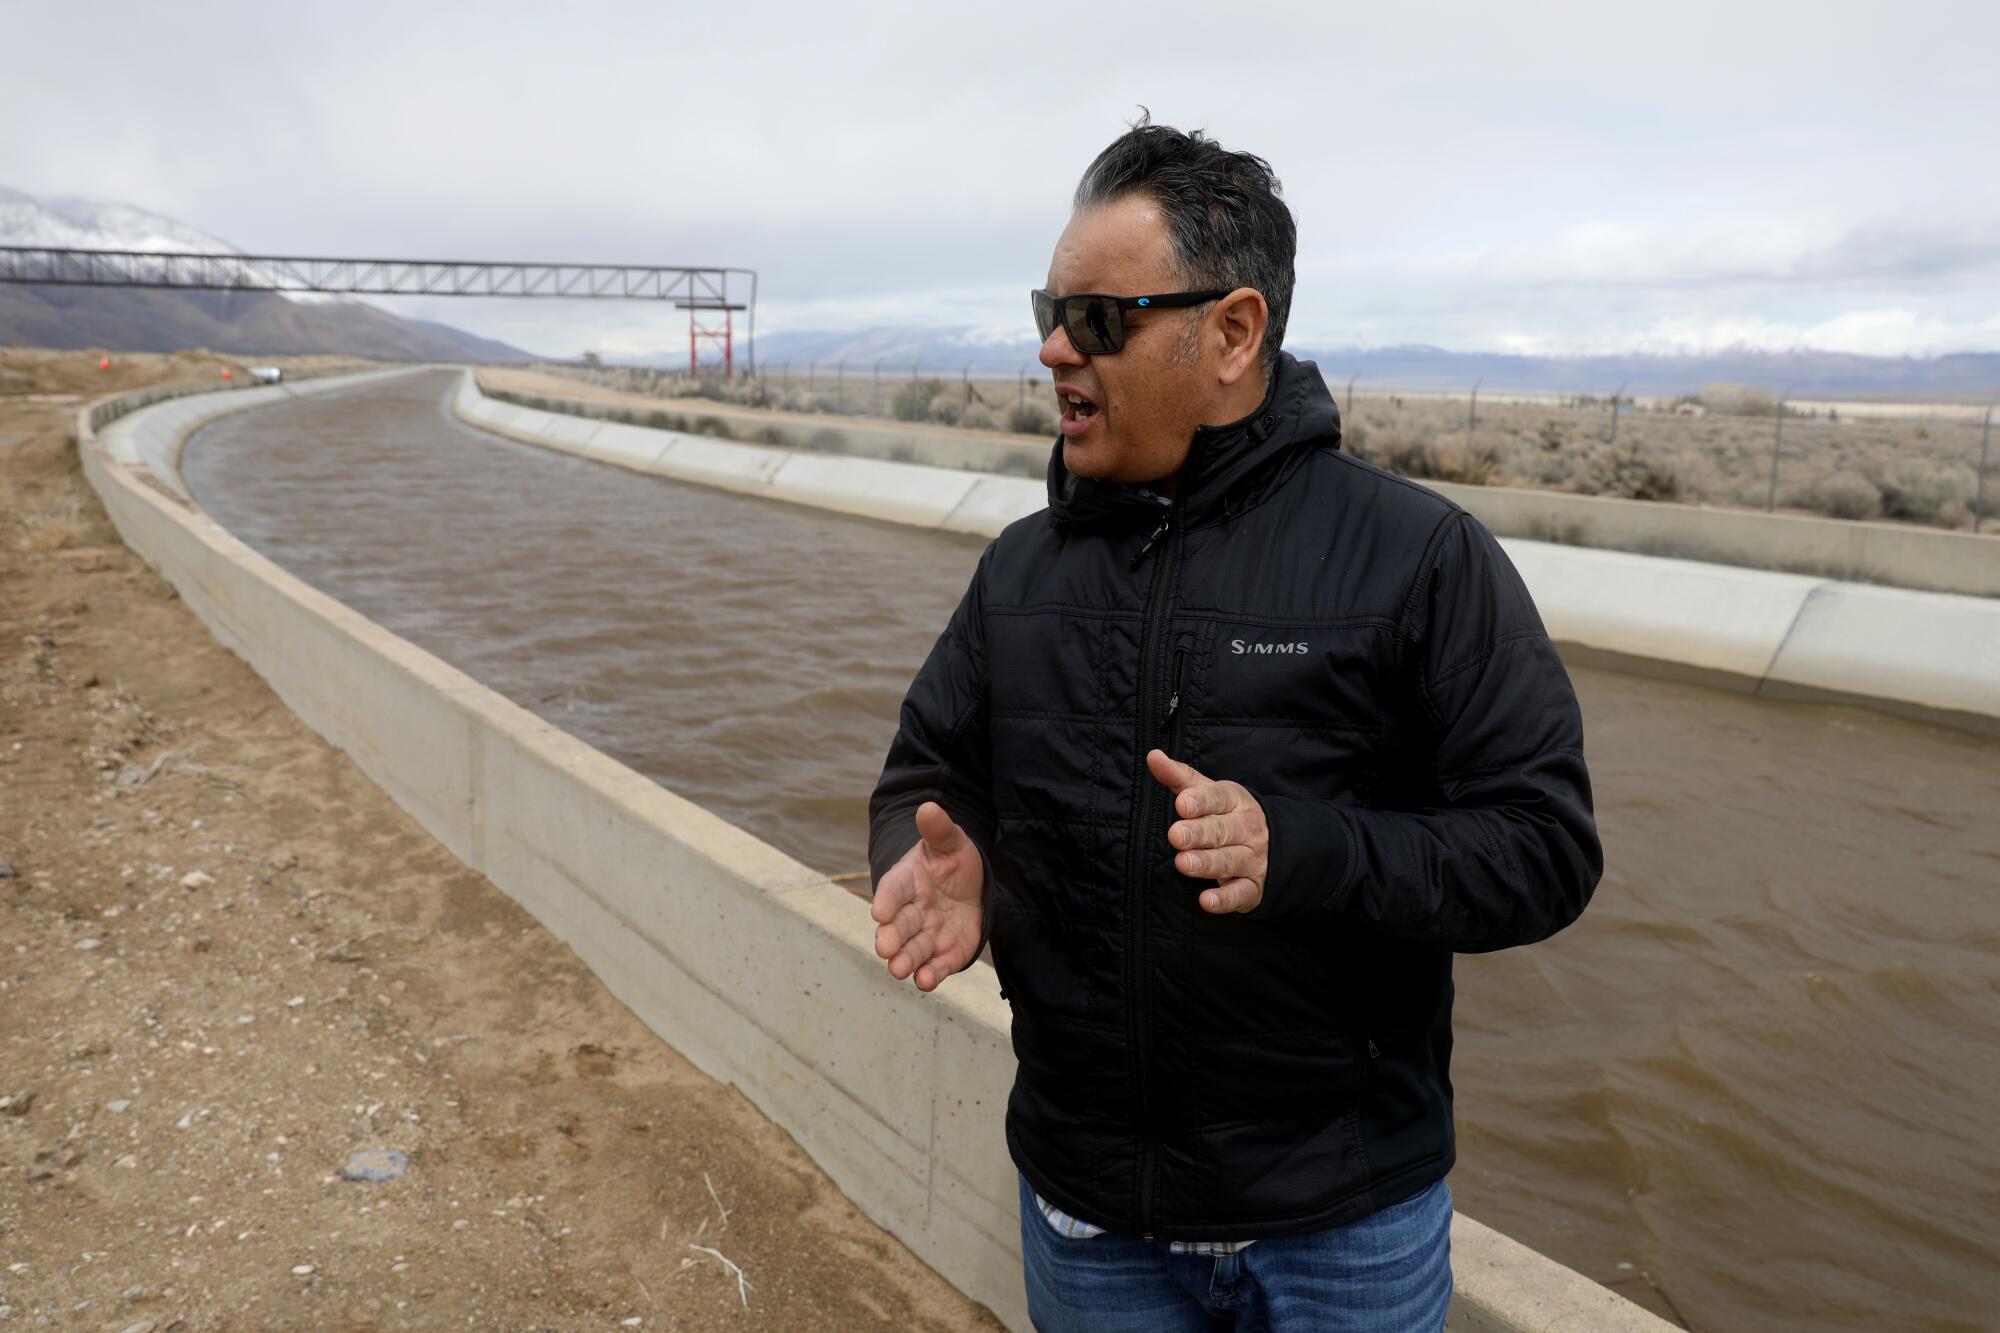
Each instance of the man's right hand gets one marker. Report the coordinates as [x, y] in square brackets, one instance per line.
[927, 909]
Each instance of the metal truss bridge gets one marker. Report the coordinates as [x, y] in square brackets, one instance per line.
[703, 292]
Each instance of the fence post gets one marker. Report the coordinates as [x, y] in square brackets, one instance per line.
[1022, 397]
[1614, 412]
[1979, 495]
[840, 386]
[1472, 415]
[1350, 395]
[1777, 442]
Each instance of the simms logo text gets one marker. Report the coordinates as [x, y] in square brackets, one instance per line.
[1238, 646]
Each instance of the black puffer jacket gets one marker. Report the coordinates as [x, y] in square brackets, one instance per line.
[1359, 653]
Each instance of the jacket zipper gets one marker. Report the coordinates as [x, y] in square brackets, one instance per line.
[1174, 700]
[1139, 980]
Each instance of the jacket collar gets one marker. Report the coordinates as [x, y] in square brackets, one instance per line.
[1224, 462]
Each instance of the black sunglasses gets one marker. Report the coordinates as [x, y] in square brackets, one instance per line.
[1095, 322]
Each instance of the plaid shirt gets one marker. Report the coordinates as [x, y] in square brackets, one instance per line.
[1077, 1229]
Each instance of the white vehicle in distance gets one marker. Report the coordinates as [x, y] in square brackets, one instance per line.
[267, 374]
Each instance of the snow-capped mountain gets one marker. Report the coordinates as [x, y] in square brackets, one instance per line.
[159, 319]
[85, 224]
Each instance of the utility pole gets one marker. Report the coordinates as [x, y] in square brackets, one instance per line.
[1472, 416]
[1350, 394]
[1614, 412]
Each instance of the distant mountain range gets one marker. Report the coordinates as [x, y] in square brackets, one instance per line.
[142, 319]
[157, 319]
[1801, 372]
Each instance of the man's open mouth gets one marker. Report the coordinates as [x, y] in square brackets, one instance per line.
[1076, 407]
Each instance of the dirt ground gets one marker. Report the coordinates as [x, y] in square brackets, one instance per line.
[229, 965]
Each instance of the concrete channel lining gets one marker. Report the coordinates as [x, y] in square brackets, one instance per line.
[1741, 628]
[158, 446]
[703, 930]
[919, 495]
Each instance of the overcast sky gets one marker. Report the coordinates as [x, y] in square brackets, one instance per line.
[1529, 177]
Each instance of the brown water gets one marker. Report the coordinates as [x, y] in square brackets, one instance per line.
[749, 654]
[1763, 1070]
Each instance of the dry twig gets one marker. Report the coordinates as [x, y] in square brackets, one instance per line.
[742, 1283]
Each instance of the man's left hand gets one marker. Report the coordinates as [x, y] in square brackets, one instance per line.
[1221, 834]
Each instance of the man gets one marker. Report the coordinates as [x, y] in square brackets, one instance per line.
[1229, 750]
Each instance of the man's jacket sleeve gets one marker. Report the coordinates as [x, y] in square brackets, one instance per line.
[941, 751]
[1510, 853]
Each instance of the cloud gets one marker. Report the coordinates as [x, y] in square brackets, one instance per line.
[1464, 175]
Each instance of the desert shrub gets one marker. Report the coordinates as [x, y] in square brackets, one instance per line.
[1955, 514]
[1630, 471]
[1354, 439]
[1030, 419]
[1407, 449]
[1551, 469]
[1848, 494]
[1737, 400]
[946, 407]
[1748, 492]
[1474, 461]
[1917, 489]
[913, 401]
[979, 417]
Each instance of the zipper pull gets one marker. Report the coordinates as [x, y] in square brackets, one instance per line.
[1181, 654]
[1373, 1052]
[1158, 533]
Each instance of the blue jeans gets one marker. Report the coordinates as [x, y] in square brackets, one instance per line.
[1388, 1273]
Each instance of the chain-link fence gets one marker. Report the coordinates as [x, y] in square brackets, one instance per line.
[1926, 463]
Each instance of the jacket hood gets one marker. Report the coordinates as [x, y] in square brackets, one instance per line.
[1225, 464]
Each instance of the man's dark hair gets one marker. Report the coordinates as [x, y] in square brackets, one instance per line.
[1229, 227]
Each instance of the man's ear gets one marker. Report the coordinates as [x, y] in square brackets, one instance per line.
[1239, 320]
